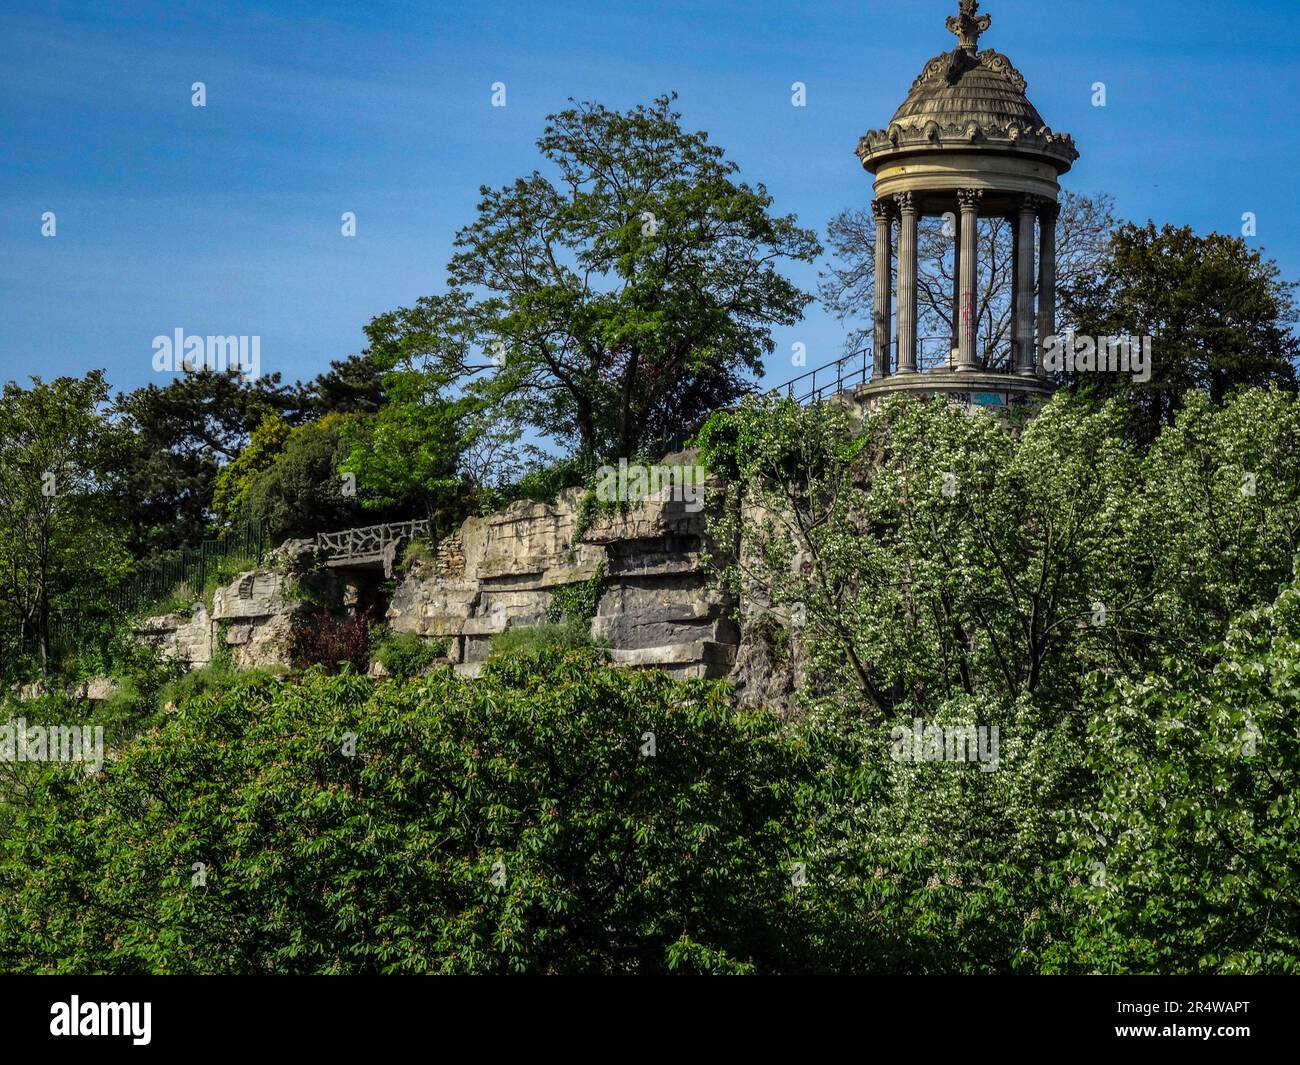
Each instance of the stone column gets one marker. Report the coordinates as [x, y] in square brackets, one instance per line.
[884, 285]
[1013, 359]
[906, 283]
[969, 201]
[1028, 361]
[1047, 216]
[956, 291]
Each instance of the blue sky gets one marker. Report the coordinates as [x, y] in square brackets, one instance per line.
[225, 219]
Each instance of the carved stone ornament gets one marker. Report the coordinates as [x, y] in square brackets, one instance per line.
[967, 25]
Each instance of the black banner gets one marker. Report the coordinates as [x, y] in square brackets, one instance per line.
[144, 1015]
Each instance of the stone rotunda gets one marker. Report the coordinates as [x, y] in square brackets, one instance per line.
[966, 143]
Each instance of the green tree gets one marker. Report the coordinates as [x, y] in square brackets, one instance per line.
[302, 489]
[353, 385]
[621, 300]
[183, 433]
[1049, 579]
[936, 554]
[932, 554]
[60, 539]
[1187, 862]
[1218, 313]
[515, 824]
[1218, 520]
[405, 458]
[235, 479]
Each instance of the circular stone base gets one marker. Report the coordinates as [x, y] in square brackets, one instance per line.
[974, 389]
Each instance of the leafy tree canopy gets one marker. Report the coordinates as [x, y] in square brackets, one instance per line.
[60, 532]
[183, 432]
[1218, 313]
[620, 300]
[509, 825]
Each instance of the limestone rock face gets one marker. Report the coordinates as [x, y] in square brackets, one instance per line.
[265, 643]
[251, 618]
[95, 690]
[100, 689]
[183, 638]
[767, 671]
[257, 594]
[657, 604]
[656, 607]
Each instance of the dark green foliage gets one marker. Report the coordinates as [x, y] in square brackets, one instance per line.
[303, 492]
[404, 654]
[354, 385]
[511, 824]
[181, 434]
[1219, 313]
[577, 602]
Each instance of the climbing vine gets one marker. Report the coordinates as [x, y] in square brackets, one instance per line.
[576, 602]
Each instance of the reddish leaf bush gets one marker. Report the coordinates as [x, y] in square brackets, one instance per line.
[331, 641]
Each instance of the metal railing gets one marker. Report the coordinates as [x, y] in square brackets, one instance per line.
[188, 571]
[851, 371]
[367, 542]
[855, 370]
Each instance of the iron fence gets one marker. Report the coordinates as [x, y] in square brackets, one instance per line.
[856, 369]
[188, 571]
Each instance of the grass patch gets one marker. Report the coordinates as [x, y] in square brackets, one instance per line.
[417, 551]
[564, 636]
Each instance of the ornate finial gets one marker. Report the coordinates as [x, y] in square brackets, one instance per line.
[967, 26]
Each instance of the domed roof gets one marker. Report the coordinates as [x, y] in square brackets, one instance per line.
[968, 98]
[957, 88]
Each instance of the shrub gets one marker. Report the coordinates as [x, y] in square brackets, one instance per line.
[323, 639]
[404, 654]
[417, 551]
[544, 485]
[509, 824]
[300, 492]
[566, 636]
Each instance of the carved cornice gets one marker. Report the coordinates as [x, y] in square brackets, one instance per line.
[971, 134]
